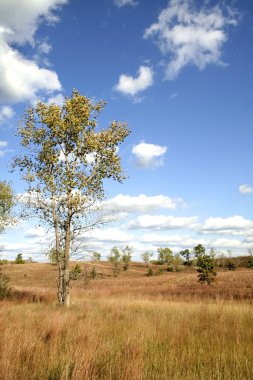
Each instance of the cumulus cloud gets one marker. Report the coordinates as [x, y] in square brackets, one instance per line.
[21, 78]
[245, 189]
[234, 225]
[6, 114]
[149, 155]
[57, 99]
[141, 203]
[109, 235]
[163, 222]
[132, 86]
[122, 3]
[35, 232]
[3, 144]
[188, 35]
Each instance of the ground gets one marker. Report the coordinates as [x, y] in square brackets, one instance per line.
[166, 326]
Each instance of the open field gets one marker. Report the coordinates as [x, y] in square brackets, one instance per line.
[130, 327]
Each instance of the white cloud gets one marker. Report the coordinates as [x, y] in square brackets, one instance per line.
[45, 47]
[3, 144]
[191, 36]
[6, 114]
[35, 232]
[234, 225]
[57, 99]
[245, 189]
[122, 3]
[132, 86]
[163, 222]
[142, 203]
[20, 20]
[109, 235]
[149, 155]
[21, 78]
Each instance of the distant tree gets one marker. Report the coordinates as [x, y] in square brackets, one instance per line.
[165, 255]
[19, 259]
[146, 257]
[30, 259]
[250, 259]
[67, 157]
[230, 265]
[205, 265]
[52, 256]
[115, 259]
[221, 260]
[95, 256]
[6, 204]
[199, 250]
[186, 255]
[126, 257]
[176, 262]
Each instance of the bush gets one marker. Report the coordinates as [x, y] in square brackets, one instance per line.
[76, 272]
[250, 262]
[19, 259]
[150, 272]
[160, 271]
[170, 269]
[93, 273]
[5, 289]
[231, 265]
[205, 268]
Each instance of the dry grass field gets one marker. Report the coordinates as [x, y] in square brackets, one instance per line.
[131, 327]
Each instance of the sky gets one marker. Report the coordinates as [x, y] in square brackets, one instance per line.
[179, 72]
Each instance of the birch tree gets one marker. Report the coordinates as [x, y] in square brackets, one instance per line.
[66, 158]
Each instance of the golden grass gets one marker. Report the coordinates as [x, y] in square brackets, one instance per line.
[131, 327]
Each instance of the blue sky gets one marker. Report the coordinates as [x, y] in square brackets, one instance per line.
[180, 74]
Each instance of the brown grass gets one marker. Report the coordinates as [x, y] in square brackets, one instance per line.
[131, 327]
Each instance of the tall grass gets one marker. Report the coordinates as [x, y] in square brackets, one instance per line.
[126, 339]
[132, 327]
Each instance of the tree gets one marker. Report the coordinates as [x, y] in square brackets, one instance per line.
[205, 265]
[6, 204]
[65, 161]
[126, 257]
[231, 265]
[199, 250]
[186, 255]
[146, 257]
[19, 259]
[95, 256]
[250, 259]
[115, 259]
[165, 255]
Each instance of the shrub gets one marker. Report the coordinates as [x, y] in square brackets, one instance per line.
[5, 289]
[170, 269]
[250, 262]
[19, 259]
[93, 273]
[205, 265]
[231, 265]
[150, 272]
[76, 272]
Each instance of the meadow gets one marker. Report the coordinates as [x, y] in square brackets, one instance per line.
[131, 327]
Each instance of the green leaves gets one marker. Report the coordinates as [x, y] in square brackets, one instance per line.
[6, 204]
